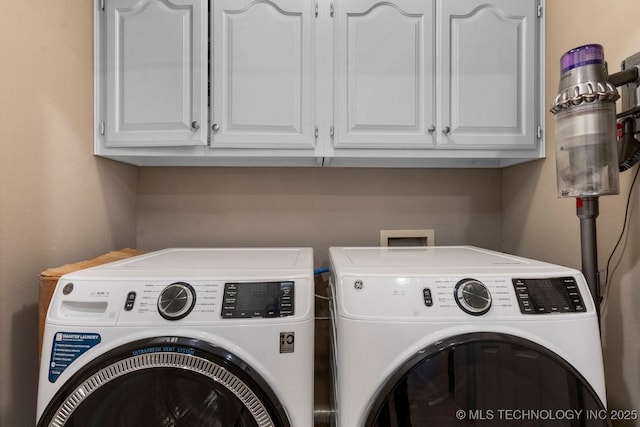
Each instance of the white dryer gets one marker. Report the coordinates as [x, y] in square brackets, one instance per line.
[182, 337]
[451, 336]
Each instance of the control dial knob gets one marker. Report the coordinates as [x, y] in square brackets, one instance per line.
[472, 296]
[176, 301]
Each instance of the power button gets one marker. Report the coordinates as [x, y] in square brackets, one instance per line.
[426, 295]
[131, 299]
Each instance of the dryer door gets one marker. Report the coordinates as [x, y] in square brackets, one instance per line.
[486, 379]
[166, 381]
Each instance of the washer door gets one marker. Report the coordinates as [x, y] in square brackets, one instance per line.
[166, 381]
[486, 379]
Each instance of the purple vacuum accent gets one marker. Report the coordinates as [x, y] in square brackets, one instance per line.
[582, 55]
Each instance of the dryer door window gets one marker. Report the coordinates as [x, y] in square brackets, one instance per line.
[489, 380]
[148, 384]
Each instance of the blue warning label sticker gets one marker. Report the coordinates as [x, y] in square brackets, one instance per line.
[66, 348]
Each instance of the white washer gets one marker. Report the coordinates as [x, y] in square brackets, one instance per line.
[182, 337]
[462, 336]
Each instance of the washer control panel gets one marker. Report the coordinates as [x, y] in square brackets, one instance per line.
[188, 301]
[552, 295]
[258, 299]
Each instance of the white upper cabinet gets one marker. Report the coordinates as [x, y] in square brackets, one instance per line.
[437, 83]
[488, 75]
[384, 81]
[381, 83]
[262, 74]
[153, 83]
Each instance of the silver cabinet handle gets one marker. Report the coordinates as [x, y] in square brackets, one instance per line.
[446, 130]
[215, 127]
[195, 125]
[431, 129]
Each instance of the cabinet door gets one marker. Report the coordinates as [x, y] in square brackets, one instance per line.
[262, 74]
[489, 74]
[155, 73]
[384, 81]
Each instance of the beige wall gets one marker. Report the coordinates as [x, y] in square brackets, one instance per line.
[538, 224]
[314, 207]
[58, 203]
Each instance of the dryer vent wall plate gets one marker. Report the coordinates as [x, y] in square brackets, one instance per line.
[407, 237]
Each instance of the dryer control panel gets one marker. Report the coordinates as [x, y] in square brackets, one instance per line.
[486, 297]
[552, 295]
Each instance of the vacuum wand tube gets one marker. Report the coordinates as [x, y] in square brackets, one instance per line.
[587, 210]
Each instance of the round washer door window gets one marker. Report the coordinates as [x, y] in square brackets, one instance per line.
[182, 384]
[486, 379]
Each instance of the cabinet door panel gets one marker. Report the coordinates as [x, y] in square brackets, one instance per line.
[155, 73]
[384, 74]
[262, 74]
[489, 73]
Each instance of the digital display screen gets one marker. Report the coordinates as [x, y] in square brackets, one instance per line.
[255, 298]
[553, 295]
[545, 293]
[258, 299]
